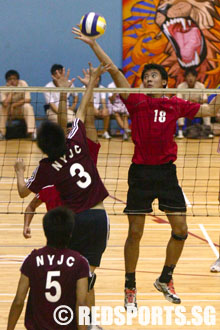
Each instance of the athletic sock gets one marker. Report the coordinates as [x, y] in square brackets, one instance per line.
[130, 281]
[166, 274]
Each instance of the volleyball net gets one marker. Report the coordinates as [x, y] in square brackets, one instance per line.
[197, 161]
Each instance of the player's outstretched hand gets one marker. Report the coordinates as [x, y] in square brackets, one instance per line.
[86, 76]
[79, 35]
[27, 232]
[62, 78]
[96, 72]
[19, 165]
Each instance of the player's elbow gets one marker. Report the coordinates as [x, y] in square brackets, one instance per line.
[18, 302]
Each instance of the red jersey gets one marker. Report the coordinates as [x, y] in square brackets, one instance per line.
[53, 274]
[50, 195]
[74, 174]
[154, 125]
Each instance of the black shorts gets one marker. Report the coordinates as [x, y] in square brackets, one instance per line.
[90, 235]
[148, 182]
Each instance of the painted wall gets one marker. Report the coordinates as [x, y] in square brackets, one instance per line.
[36, 34]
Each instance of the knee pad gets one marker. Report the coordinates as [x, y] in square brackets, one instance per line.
[179, 237]
[91, 281]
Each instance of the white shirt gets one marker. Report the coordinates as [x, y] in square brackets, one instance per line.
[54, 97]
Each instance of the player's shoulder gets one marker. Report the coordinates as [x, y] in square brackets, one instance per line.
[198, 84]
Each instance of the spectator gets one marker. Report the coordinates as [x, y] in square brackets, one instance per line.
[16, 105]
[191, 82]
[52, 98]
[117, 107]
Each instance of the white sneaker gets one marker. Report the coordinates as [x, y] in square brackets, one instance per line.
[180, 135]
[168, 291]
[125, 136]
[106, 135]
[215, 267]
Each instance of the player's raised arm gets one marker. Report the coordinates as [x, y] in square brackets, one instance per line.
[94, 73]
[117, 76]
[19, 170]
[62, 80]
[18, 302]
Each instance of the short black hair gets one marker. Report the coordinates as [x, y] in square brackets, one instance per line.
[51, 140]
[191, 70]
[56, 67]
[10, 73]
[158, 67]
[58, 225]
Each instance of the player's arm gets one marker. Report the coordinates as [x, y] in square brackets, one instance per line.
[28, 216]
[18, 302]
[81, 293]
[209, 110]
[19, 170]
[75, 101]
[117, 76]
[62, 80]
[94, 74]
[89, 122]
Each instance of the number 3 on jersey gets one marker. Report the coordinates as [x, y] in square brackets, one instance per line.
[82, 174]
[159, 116]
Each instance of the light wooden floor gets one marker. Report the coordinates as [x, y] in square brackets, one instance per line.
[198, 171]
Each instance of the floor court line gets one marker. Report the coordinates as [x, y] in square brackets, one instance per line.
[209, 240]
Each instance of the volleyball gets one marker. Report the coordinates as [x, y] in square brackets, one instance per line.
[92, 25]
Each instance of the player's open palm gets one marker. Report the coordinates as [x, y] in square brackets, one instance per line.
[86, 76]
[62, 78]
[96, 72]
[81, 36]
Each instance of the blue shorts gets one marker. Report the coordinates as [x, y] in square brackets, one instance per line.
[90, 235]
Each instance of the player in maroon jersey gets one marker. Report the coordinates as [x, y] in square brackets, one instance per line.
[152, 173]
[49, 194]
[56, 276]
[71, 169]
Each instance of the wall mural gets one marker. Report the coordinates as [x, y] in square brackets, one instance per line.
[177, 34]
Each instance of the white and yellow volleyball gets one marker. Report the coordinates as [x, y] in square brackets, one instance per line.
[93, 25]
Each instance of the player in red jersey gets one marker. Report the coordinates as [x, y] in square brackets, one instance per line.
[152, 173]
[71, 169]
[56, 276]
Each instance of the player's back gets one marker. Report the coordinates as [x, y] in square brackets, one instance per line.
[53, 274]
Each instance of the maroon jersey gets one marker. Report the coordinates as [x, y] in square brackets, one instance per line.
[50, 195]
[74, 174]
[53, 274]
[154, 125]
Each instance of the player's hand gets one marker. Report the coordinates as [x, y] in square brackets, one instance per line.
[96, 72]
[27, 232]
[85, 80]
[19, 165]
[62, 78]
[79, 35]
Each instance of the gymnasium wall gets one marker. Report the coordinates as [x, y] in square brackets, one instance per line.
[37, 33]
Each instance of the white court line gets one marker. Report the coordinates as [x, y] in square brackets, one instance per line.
[143, 300]
[209, 240]
[139, 293]
[186, 200]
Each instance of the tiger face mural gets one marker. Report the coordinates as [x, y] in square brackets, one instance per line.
[175, 33]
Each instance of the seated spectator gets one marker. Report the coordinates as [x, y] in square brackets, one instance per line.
[52, 98]
[191, 82]
[101, 110]
[117, 107]
[16, 105]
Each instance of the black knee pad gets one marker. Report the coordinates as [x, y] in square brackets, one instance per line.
[91, 281]
[178, 237]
